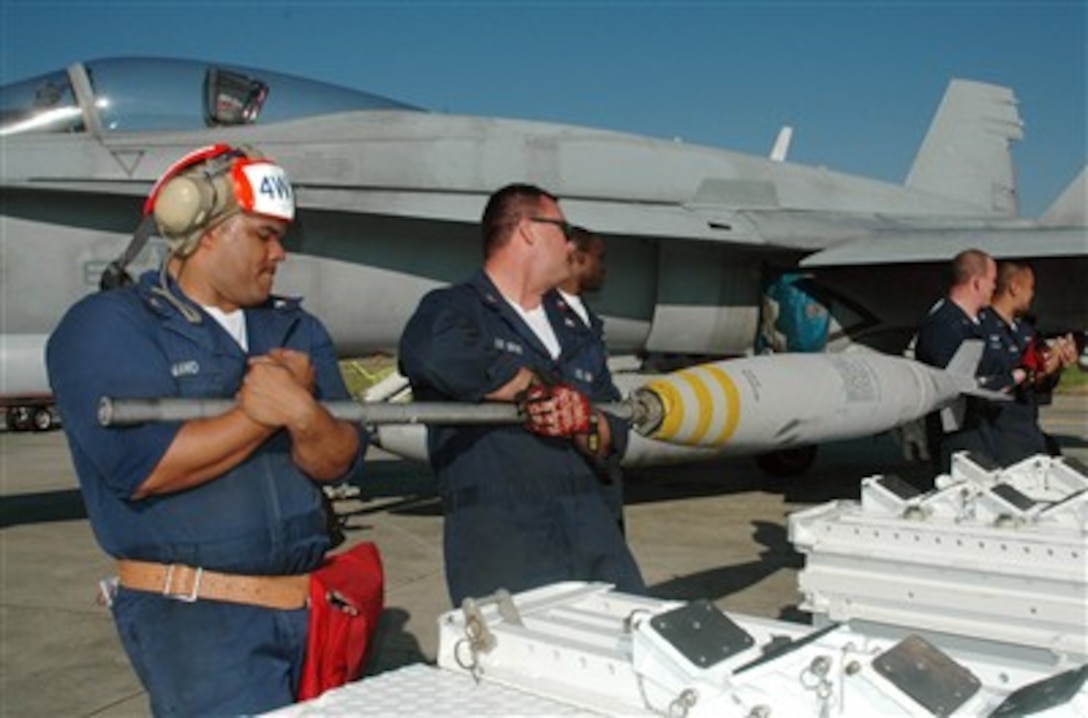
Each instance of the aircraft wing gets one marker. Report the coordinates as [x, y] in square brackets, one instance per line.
[620, 218]
[609, 217]
[1062, 231]
[857, 239]
[909, 246]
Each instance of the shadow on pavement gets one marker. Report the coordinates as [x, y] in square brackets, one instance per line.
[394, 647]
[722, 581]
[42, 507]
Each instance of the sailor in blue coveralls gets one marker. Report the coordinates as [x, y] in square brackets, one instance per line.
[949, 322]
[523, 506]
[588, 353]
[214, 522]
[1022, 365]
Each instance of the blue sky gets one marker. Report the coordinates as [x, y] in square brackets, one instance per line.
[859, 81]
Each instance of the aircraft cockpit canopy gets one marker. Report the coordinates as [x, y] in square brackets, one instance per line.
[42, 104]
[231, 98]
[157, 94]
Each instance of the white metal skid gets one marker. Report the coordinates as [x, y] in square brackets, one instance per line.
[990, 555]
[583, 649]
[617, 654]
[425, 690]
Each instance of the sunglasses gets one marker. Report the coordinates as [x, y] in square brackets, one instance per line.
[566, 227]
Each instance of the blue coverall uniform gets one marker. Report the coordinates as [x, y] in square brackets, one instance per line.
[262, 517]
[1011, 428]
[585, 363]
[521, 510]
[939, 337]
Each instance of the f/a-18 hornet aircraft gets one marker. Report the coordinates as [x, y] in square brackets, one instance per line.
[711, 253]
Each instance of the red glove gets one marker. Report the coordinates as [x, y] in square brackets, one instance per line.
[1034, 362]
[1034, 357]
[555, 410]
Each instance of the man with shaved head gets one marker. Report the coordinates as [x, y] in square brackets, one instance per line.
[1021, 363]
[949, 322]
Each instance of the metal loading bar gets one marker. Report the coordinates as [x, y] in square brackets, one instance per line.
[127, 412]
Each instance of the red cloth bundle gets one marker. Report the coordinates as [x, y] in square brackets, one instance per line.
[347, 595]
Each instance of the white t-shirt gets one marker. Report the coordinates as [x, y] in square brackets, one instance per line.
[234, 323]
[537, 319]
[577, 305]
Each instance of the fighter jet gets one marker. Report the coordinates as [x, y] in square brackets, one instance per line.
[711, 253]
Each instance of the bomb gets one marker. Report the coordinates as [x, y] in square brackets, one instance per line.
[777, 401]
[734, 406]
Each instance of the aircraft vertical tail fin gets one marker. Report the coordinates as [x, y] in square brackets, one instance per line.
[1071, 207]
[965, 154]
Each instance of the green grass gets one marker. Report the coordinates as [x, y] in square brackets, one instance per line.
[1074, 381]
[363, 372]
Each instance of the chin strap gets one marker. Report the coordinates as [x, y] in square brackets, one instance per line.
[191, 314]
[115, 274]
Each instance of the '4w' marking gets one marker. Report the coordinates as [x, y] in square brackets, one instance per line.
[275, 188]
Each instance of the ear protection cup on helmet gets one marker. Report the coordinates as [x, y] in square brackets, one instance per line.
[195, 191]
[186, 203]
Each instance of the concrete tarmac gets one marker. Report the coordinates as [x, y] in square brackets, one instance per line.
[713, 531]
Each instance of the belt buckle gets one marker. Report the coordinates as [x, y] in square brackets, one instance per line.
[193, 593]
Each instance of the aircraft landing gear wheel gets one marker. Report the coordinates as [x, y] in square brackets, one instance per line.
[787, 462]
[43, 420]
[19, 418]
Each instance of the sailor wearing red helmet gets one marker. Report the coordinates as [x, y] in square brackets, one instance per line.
[215, 522]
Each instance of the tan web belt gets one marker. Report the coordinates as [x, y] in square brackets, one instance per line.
[185, 583]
